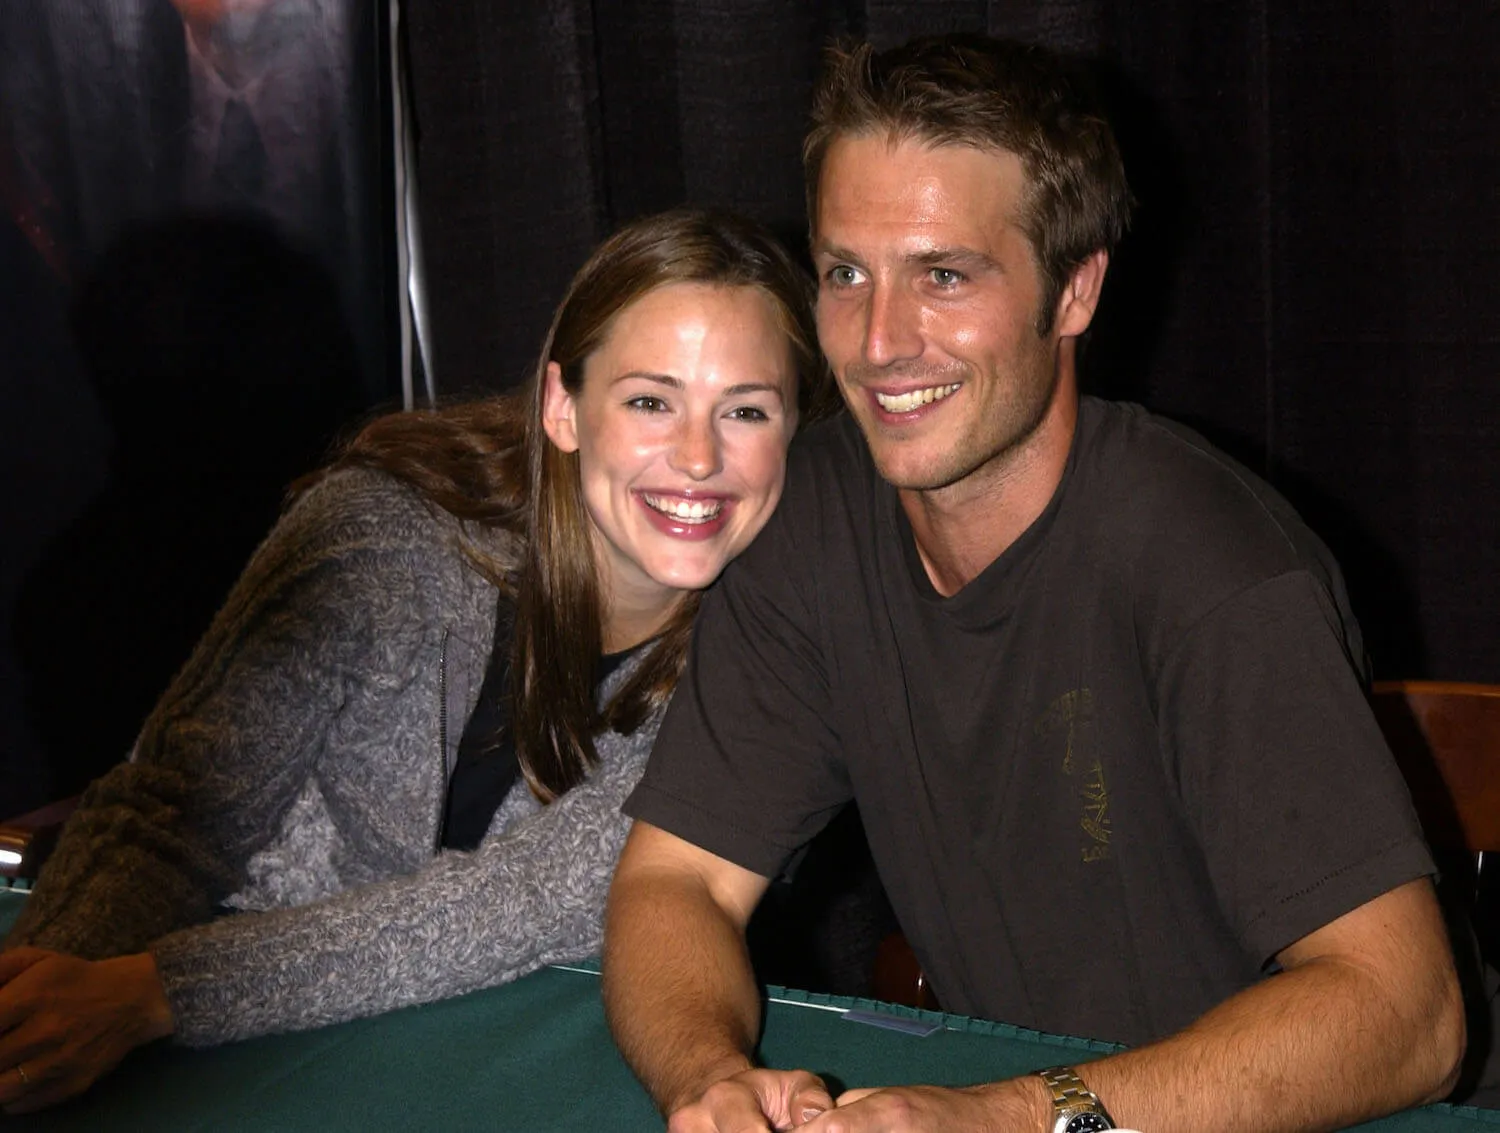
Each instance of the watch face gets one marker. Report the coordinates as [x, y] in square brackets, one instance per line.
[1087, 1123]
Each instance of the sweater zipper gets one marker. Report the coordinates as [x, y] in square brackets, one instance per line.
[442, 793]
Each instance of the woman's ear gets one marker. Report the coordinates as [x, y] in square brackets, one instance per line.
[558, 410]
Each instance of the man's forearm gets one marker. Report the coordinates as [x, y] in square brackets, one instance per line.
[679, 991]
[1326, 1044]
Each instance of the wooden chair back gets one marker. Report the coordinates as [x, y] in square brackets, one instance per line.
[27, 839]
[898, 975]
[1446, 738]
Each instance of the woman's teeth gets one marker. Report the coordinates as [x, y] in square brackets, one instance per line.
[913, 399]
[689, 511]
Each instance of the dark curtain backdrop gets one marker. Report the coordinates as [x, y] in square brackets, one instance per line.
[193, 239]
[1311, 280]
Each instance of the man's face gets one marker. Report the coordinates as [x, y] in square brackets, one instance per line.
[928, 299]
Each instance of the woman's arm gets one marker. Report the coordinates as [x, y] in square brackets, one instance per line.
[530, 895]
[328, 649]
[330, 602]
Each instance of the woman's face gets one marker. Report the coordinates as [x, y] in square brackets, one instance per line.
[681, 429]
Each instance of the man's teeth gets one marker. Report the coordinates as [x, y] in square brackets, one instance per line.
[906, 402]
[692, 511]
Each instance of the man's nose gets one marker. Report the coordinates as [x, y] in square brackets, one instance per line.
[695, 449]
[893, 331]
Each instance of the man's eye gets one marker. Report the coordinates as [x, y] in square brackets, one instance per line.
[946, 277]
[843, 276]
[647, 404]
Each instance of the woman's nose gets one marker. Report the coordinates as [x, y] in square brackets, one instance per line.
[695, 450]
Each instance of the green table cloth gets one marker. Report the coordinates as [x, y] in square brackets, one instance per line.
[535, 1056]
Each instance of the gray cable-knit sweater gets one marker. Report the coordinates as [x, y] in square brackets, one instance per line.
[297, 769]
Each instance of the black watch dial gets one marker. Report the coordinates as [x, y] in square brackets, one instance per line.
[1087, 1123]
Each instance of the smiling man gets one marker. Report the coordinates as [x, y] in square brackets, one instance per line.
[1093, 685]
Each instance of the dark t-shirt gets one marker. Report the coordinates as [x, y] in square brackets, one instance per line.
[1105, 783]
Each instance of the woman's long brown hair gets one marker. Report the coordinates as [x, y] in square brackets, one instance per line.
[490, 463]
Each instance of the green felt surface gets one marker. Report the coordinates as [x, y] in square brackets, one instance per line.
[534, 1056]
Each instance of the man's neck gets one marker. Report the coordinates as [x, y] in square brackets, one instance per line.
[963, 528]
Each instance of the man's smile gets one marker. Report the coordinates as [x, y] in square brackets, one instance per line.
[913, 399]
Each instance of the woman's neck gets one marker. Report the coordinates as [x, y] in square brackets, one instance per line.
[626, 624]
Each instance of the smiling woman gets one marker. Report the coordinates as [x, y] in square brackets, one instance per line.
[681, 425]
[398, 755]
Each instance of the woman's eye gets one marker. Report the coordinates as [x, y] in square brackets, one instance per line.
[749, 413]
[946, 277]
[647, 404]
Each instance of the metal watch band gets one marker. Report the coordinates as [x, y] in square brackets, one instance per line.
[1070, 1093]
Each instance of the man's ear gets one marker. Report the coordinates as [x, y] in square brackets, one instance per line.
[558, 410]
[1080, 296]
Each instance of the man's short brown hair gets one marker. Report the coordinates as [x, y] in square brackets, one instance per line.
[992, 94]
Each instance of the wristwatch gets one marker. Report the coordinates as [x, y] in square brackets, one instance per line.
[1076, 1108]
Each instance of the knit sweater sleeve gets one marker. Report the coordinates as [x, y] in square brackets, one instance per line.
[529, 895]
[332, 601]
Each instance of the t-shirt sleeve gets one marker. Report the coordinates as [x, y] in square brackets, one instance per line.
[747, 763]
[1284, 774]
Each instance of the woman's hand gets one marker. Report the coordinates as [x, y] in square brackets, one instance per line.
[65, 1022]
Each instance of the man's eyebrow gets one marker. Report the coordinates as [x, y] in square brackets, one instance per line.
[955, 257]
[970, 258]
[739, 389]
[833, 252]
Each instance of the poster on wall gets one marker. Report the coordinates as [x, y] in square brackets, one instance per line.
[121, 114]
[195, 211]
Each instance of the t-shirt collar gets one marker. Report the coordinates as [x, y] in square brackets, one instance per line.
[989, 597]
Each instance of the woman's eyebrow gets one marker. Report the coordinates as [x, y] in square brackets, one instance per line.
[649, 376]
[739, 389]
